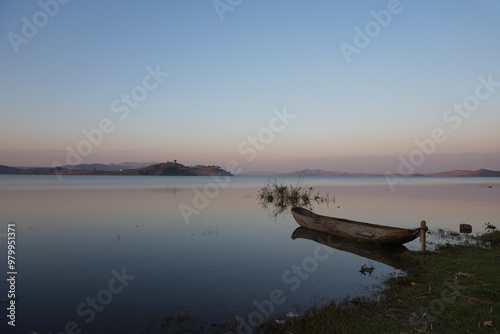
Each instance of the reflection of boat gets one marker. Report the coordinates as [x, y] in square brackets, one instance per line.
[354, 230]
[380, 253]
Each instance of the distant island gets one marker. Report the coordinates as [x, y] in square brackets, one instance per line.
[158, 169]
[176, 169]
[320, 172]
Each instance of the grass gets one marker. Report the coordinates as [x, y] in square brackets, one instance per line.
[491, 239]
[182, 323]
[281, 197]
[455, 290]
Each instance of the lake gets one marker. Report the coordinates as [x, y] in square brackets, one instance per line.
[112, 254]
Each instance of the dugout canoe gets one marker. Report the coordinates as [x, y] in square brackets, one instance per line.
[354, 230]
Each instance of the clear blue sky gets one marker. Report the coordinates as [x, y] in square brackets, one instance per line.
[227, 76]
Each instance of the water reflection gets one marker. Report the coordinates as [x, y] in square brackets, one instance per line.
[380, 253]
[71, 235]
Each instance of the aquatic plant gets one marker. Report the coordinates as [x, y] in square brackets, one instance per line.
[281, 197]
[489, 226]
[365, 269]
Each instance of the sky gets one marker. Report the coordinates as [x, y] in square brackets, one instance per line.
[361, 86]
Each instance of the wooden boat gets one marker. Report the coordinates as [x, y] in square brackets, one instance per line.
[351, 229]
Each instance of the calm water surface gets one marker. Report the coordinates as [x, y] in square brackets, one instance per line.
[114, 254]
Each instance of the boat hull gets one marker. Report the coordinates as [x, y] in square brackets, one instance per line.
[354, 230]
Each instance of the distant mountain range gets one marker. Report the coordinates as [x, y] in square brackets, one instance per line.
[174, 168]
[128, 168]
[320, 172]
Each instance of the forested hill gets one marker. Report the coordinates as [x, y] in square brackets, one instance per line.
[165, 168]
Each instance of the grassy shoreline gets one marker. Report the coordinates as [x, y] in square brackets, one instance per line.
[454, 290]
